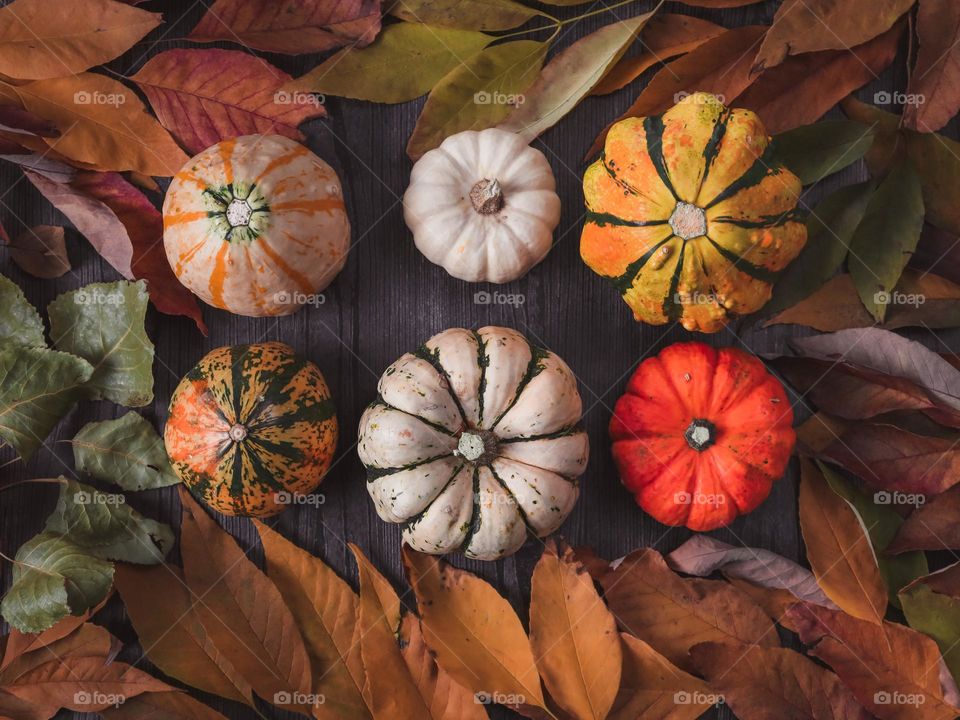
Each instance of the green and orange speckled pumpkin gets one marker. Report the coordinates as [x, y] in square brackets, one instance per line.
[250, 427]
[690, 215]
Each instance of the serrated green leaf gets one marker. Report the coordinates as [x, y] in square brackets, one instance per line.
[53, 577]
[127, 452]
[20, 323]
[886, 237]
[106, 526]
[403, 63]
[938, 616]
[830, 228]
[477, 94]
[104, 324]
[812, 152]
[465, 14]
[571, 75]
[37, 388]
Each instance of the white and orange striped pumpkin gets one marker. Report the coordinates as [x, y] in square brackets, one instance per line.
[256, 225]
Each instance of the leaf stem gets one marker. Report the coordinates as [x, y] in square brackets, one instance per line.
[49, 481]
[557, 23]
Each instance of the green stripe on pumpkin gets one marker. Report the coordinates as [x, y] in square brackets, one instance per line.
[743, 265]
[712, 148]
[763, 167]
[672, 309]
[607, 219]
[653, 127]
[766, 221]
[624, 282]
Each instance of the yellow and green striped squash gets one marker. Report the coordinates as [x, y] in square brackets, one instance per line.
[251, 427]
[690, 215]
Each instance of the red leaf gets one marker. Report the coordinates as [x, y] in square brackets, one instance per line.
[936, 76]
[294, 27]
[932, 526]
[204, 96]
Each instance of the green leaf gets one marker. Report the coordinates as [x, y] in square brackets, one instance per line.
[477, 94]
[882, 523]
[465, 14]
[886, 237]
[127, 452]
[403, 63]
[20, 324]
[812, 152]
[830, 228]
[103, 323]
[37, 388]
[53, 578]
[571, 75]
[938, 616]
[108, 528]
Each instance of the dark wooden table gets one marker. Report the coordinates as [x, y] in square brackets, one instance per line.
[386, 301]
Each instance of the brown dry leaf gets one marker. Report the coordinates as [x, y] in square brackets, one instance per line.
[665, 36]
[651, 686]
[719, 3]
[204, 96]
[161, 610]
[88, 640]
[879, 663]
[839, 549]
[672, 613]
[774, 601]
[104, 123]
[161, 706]
[391, 690]
[293, 27]
[573, 635]
[932, 526]
[477, 637]
[936, 76]
[775, 684]
[804, 26]
[817, 433]
[41, 251]
[41, 39]
[325, 608]
[720, 66]
[241, 609]
[802, 89]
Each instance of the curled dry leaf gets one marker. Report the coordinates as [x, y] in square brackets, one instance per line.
[775, 684]
[292, 27]
[936, 76]
[204, 96]
[932, 526]
[672, 613]
[41, 251]
[476, 635]
[40, 39]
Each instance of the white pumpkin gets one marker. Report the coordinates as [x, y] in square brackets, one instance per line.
[474, 442]
[483, 206]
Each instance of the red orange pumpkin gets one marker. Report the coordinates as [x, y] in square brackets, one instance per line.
[701, 435]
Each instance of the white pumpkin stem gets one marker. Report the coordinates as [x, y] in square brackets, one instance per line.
[476, 446]
[237, 433]
[239, 212]
[487, 196]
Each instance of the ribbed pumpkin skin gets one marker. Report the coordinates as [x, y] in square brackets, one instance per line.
[717, 160]
[751, 437]
[292, 243]
[283, 403]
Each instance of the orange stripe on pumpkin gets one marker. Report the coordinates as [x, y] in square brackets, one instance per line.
[179, 218]
[190, 177]
[311, 206]
[226, 155]
[305, 285]
[280, 161]
[219, 275]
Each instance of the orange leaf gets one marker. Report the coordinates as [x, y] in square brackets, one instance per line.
[325, 609]
[775, 684]
[672, 613]
[574, 636]
[476, 635]
[161, 706]
[935, 81]
[653, 688]
[41, 39]
[241, 610]
[160, 608]
[839, 549]
[86, 641]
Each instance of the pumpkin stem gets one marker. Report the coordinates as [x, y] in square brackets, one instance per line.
[239, 212]
[688, 221]
[237, 432]
[701, 434]
[487, 197]
[476, 445]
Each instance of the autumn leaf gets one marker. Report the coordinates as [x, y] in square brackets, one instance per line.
[292, 27]
[40, 251]
[573, 635]
[571, 75]
[932, 526]
[935, 80]
[20, 325]
[18, 643]
[40, 40]
[168, 706]
[775, 684]
[934, 253]
[663, 37]
[325, 609]
[241, 609]
[205, 96]
[813, 152]
[482, 15]
[672, 613]
[475, 94]
[805, 26]
[477, 637]
[403, 63]
[719, 3]
[839, 549]
[160, 607]
[87, 640]
[936, 615]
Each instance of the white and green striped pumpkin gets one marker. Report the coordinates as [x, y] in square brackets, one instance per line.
[474, 442]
